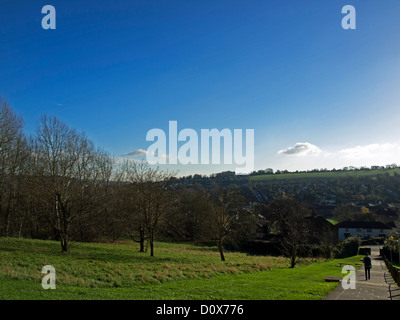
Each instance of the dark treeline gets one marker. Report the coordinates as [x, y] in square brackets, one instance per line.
[56, 184]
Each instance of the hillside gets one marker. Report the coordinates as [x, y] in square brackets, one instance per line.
[323, 175]
[178, 271]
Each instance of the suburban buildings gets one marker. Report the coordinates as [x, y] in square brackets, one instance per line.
[365, 229]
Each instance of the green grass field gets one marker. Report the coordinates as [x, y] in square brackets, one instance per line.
[178, 271]
[321, 175]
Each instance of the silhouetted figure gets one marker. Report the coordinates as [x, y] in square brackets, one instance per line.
[367, 267]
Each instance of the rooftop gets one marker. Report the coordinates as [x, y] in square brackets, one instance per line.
[363, 224]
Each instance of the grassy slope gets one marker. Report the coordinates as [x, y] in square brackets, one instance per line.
[179, 271]
[323, 175]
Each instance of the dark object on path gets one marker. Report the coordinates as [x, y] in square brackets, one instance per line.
[333, 279]
[367, 267]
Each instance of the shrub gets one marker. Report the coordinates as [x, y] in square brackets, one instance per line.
[348, 247]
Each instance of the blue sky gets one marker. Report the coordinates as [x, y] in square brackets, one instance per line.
[317, 96]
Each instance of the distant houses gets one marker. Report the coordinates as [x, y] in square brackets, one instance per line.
[346, 229]
[365, 229]
[319, 230]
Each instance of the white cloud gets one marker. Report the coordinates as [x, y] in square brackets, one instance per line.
[371, 151]
[138, 152]
[371, 154]
[309, 156]
[301, 148]
[141, 152]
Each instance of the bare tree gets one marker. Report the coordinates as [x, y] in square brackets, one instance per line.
[226, 205]
[290, 215]
[13, 155]
[221, 221]
[192, 220]
[151, 198]
[132, 217]
[10, 127]
[109, 221]
[67, 177]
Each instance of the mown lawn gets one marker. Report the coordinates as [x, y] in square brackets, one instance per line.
[178, 271]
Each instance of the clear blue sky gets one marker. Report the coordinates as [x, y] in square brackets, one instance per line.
[116, 69]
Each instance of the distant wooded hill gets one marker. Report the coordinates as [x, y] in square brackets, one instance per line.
[323, 174]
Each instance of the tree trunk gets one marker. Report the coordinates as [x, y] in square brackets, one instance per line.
[7, 219]
[141, 239]
[64, 244]
[151, 249]
[293, 257]
[221, 250]
[20, 230]
[151, 240]
[7, 223]
[65, 237]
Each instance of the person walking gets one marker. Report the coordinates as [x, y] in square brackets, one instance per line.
[367, 266]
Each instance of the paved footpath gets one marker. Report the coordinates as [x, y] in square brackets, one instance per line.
[379, 287]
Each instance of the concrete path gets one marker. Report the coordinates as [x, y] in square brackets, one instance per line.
[380, 287]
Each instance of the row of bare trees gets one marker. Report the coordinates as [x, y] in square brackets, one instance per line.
[13, 146]
[57, 185]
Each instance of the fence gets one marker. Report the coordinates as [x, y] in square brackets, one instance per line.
[395, 272]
